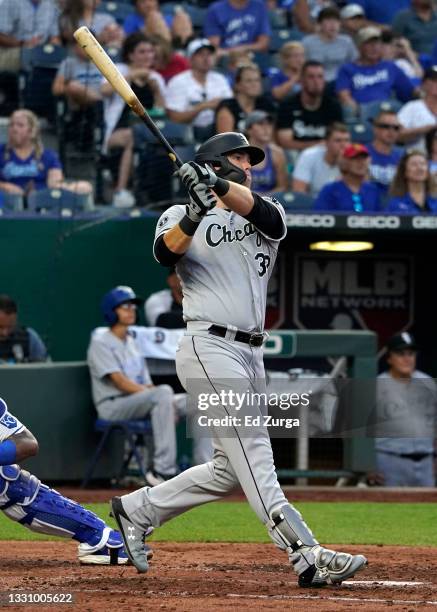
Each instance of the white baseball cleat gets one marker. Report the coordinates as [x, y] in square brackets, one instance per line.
[324, 566]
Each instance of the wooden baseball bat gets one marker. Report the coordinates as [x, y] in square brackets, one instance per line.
[107, 67]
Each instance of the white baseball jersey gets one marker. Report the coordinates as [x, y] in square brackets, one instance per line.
[9, 425]
[214, 287]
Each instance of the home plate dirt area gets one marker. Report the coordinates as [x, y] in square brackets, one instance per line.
[224, 577]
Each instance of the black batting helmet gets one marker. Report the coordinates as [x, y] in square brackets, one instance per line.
[215, 149]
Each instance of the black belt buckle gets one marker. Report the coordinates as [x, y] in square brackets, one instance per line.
[256, 340]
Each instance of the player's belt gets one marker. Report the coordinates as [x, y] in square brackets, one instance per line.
[240, 336]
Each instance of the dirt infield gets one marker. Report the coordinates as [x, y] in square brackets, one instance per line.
[222, 577]
[294, 494]
[215, 577]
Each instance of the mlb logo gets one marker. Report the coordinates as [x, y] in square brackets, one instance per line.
[370, 292]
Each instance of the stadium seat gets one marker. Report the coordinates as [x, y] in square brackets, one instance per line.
[197, 15]
[294, 201]
[361, 132]
[38, 70]
[176, 133]
[118, 10]
[278, 19]
[264, 61]
[279, 37]
[130, 430]
[57, 200]
[9, 93]
[12, 202]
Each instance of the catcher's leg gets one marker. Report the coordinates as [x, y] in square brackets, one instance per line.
[23, 498]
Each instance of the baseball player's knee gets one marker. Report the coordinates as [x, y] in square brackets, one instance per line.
[163, 397]
[224, 472]
[18, 486]
[165, 391]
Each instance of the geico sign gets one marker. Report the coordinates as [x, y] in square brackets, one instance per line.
[424, 222]
[310, 220]
[377, 222]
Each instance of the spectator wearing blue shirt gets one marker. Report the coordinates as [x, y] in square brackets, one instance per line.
[381, 11]
[353, 193]
[384, 155]
[238, 24]
[412, 188]
[285, 80]
[26, 165]
[151, 21]
[369, 79]
[17, 344]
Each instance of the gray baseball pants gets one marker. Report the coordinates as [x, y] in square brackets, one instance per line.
[244, 460]
[158, 403]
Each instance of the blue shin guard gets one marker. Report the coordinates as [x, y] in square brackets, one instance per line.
[23, 498]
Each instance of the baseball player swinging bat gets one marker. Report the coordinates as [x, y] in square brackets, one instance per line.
[107, 67]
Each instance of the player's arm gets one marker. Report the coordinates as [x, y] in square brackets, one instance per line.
[262, 212]
[170, 245]
[407, 135]
[125, 384]
[18, 447]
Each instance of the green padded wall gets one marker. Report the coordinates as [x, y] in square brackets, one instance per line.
[58, 270]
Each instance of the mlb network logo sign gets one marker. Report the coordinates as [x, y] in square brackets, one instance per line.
[358, 292]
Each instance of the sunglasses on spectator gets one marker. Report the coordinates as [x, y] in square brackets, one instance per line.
[388, 126]
[128, 306]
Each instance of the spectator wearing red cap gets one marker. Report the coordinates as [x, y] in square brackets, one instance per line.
[352, 193]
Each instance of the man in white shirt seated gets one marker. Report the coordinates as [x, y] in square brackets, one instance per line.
[193, 95]
[318, 165]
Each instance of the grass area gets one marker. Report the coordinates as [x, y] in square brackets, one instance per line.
[332, 522]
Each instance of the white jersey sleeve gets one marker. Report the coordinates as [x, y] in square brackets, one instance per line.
[167, 220]
[9, 425]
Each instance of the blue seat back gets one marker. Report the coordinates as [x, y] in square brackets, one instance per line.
[56, 200]
[294, 201]
[118, 10]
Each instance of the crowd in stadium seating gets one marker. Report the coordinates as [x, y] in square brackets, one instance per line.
[304, 79]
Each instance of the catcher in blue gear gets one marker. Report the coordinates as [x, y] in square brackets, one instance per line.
[25, 499]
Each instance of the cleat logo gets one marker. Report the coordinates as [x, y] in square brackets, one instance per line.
[131, 535]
